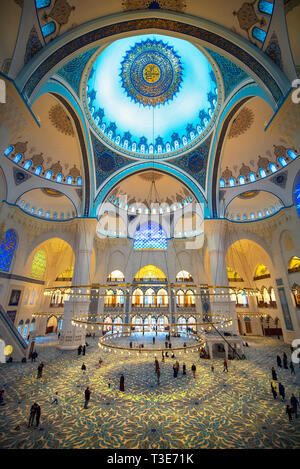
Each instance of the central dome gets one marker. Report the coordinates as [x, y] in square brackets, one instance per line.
[151, 96]
[151, 72]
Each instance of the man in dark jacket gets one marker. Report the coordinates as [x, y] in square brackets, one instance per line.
[87, 394]
[37, 415]
[32, 414]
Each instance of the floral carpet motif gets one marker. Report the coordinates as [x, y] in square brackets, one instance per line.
[214, 410]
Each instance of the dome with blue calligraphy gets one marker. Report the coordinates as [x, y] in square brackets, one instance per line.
[152, 96]
[151, 72]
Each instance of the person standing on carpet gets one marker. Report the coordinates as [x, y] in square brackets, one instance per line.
[87, 395]
[37, 415]
[122, 386]
[193, 368]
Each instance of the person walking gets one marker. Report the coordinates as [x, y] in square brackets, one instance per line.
[177, 366]
[193, 368]
[279, 361]
[162, 356]
[156, 364]
[273, 389]
[79, 350]
[184, 369]
[122, 387]
[32, 414]
[37, 415]
[40, 370]
[294, 404]
[212, 368]
[153, 340]
[225, 366]
[292, 368]
[289, 411]
[83, 350]
[281, 391]
[87, 395]
[274, 374]
[83, 367]
[55, 400]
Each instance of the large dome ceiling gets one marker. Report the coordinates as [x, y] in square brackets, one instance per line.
[151, 95]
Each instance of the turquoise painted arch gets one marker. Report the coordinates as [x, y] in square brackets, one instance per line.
[150, 165]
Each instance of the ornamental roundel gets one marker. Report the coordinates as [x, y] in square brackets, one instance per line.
[151, 73]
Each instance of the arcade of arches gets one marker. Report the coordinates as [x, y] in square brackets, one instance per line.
[138, 208]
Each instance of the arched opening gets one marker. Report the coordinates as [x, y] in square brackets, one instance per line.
[109, 300]
[192, 324]
[117, 325]
[116, 276]
[162, 323]
[51, 326]
[294, 265]
[162, 297]
[107, 324]
[150, 298]
[150, 273]
[261, 272]
[137, 322]
[137, 298]
[182, 324]
[184, 276]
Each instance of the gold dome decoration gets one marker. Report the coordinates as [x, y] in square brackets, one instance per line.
[60, 119]
[241, 123]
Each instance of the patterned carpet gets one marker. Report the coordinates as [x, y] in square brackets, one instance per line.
[215, 410]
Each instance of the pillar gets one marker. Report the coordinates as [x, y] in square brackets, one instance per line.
[216, 233]
[71, 336]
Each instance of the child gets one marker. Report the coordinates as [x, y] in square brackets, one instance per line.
[55, 398]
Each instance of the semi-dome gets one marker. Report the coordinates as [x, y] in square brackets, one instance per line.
[151, 95]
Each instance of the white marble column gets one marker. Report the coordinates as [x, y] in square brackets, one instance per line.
[72, 336]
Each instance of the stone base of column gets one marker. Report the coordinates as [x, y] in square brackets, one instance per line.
[71, 336]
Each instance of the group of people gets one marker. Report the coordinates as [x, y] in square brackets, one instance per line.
[81, 349]
[278, 388]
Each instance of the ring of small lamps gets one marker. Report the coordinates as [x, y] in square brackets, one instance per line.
[82, 322]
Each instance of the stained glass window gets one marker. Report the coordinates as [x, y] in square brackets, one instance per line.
[8, 150]
[259, 34]
[48, 28]
[292, 154]
[265, 7]
[297, 195]
[39, 264]
[150, 236]
[42, 3]
[7, 250]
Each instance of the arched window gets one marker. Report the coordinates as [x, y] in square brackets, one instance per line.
[39, 264]
[26, 327]
[259, 34]
[149, 297]
[116, 276]
[184, 276]
[292, 154]
[59, 178]
[190, 298]
[17, 158]
[265, 7]
[7, 249]
[272, 167]
[137, 298]
[42, 3]
[69, 180]
[8, 150]
[38, 170]
[261, 272]
[180, 298]
[79, 181]
[182, 324]
[231, 182]
[27, 164]
[150, 236]
[262, 173]
[282, 161]
[49, 174]
[162, 297]
[252, 177]
[48, 28]
[109, 298]
[242, 180]
[32, 325]
[294, 265]
[20, 326]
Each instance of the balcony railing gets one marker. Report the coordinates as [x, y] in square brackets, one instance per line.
[261, 277]
[115, 280]
[149, 280]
